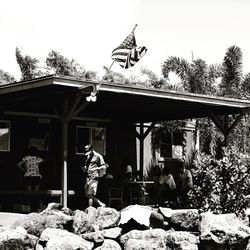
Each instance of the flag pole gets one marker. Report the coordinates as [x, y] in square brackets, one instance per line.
[114, 61]
[92, 96]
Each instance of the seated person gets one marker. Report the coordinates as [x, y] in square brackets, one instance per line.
[155, 189]
[167, 187]
[108, 174]
[128, 173]
[184, 183]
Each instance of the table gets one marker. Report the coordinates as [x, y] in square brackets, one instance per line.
[137, 191]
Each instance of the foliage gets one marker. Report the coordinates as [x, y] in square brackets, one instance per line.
[63, 66]
[6, 78]
[221, 185]
[196, 77]
[28, 66]
[112, 76]
[231, 73]
[246, 87]
[210, 137]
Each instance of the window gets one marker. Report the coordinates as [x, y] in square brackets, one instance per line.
[4, 136]
[94, 136]
[172, 145]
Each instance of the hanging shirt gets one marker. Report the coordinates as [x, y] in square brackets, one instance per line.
[31, 164]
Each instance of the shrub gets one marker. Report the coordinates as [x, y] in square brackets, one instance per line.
[221, 185]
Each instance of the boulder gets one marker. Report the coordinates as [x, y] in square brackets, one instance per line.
[185, 219]
[52, 207]
[110, 245]
[181, 240]
[56, 216]
[59, 220]
[34, 223]
[156, 220]
[58, 239]
[95, 237]
[144, 239]
[107, 218]
[166, 212]
[92, 213]
[223, 231]
[81, 223]
[112, 233]
[135, 217]
[142, 244]
[17, 239]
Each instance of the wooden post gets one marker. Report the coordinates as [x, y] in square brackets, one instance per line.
[141, 149]
[64, 121]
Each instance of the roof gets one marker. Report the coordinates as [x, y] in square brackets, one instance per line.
[44, 95]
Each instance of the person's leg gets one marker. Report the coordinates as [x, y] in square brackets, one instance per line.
[27, 183]
[92, 194]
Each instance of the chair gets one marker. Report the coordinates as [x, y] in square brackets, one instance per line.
[137, 195]
[115, 194]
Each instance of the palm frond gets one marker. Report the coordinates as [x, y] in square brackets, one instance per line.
[246, 86]
[176, 64]
[232, 71]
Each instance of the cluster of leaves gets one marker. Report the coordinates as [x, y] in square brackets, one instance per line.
[55, 64]
[6, 78]
[221, 185]
[28, 66]
[196, 77]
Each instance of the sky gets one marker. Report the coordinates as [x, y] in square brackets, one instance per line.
[88, 30]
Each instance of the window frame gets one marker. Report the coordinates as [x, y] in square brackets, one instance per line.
[9, 127]
[171, 145]
[90, 138]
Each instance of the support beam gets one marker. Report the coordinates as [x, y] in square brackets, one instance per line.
[65, 122]
[69, 110]
[141, 136]
[141, 149]
[225, 128]
[217, 122]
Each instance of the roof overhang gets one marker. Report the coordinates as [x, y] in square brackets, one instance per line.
[114, 101]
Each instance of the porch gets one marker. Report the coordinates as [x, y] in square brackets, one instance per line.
[48, 112]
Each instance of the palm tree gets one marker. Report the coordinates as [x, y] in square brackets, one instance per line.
[197, 77]
[236, 85]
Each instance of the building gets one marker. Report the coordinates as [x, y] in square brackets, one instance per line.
[52, 113]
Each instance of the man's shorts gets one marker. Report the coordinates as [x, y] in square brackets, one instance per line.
[91, 187]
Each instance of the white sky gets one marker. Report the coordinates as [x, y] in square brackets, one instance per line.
[88, 30]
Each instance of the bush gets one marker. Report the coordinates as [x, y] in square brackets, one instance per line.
[221, 185]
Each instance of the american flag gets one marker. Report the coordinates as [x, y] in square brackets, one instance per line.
[128, 54]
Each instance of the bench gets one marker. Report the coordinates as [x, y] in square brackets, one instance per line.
[10, 196]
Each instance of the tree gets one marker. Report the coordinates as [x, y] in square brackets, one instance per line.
[28, 66]
[62, 66]
[196, 77]
[235, 85]
[232, 75]
[6, 78]
[112, 76]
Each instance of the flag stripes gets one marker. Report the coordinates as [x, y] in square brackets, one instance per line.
[128, 54]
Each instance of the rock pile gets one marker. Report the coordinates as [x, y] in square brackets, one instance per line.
[134, 227]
